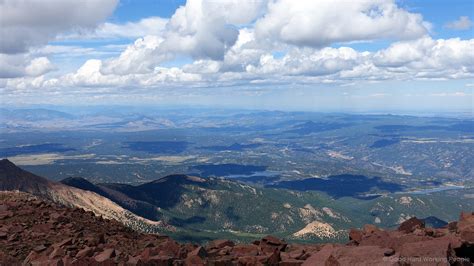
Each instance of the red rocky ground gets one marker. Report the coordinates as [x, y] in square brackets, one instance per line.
[36, 232]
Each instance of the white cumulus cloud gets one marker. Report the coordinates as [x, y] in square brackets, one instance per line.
[202, 29]
[35, 22]
[426, 57]
[320, 23]
[463, 23]
[129, 30]
[18, 65]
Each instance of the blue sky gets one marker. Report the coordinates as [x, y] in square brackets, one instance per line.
[133, 10]
[296, 55]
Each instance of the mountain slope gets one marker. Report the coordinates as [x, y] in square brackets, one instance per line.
[38, 232]
[141, 208]
[213, 208]
[216, 208]
[13, 178]
[201, 209]
[164, 192]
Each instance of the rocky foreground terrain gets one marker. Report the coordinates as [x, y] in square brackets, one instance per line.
[38, 232]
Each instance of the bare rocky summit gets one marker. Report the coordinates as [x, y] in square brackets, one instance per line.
[34, 231]
[13, 178]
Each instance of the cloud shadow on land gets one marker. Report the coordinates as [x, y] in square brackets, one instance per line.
[339, 186]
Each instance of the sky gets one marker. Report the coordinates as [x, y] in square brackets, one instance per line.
[259, 54]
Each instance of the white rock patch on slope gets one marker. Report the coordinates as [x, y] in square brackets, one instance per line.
[318, 229]
[405, 201]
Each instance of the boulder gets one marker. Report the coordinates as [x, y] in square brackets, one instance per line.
[271, 240]
[355, 235]
[290, 262]
[427, 252]
[199, 252]
[376, 238]
[169, 248]
[250, 261]
[366, 255]
[453, 226]
[40, 248]
[57, 252]
[195, 260]
[411, 224]
[219, 243]
[105, 255]
[369, 229]
[320, 257]
[274, 258]
[221, 261]
[65, 242]
[159, 260]
[245, 250]
[294, 252]
[148, 253]
[270, 243]
[85, 252]
[389, 252]
[465, 226]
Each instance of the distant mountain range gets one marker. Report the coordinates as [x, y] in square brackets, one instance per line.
[34, 114]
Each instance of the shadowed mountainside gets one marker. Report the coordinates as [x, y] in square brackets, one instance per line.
[14, 178]
[138, 207]
[340, 185]
[143, 199]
